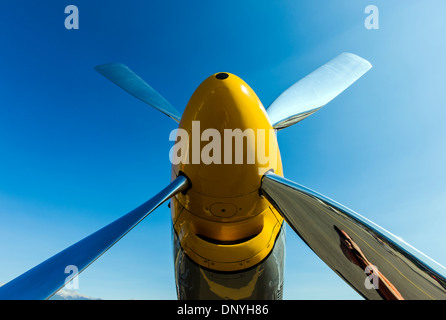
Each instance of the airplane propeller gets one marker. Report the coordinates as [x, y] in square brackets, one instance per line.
[125, 78]
[363, 254]
[314, 91]
[42, 281]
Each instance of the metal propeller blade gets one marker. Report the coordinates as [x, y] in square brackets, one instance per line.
[311, 93]
[377, 264]
[44, 280]
[125, 78]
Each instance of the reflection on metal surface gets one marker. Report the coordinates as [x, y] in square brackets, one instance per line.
[379, 282]
[358, 250]
[262, 281]
[238, 293]
[316, 90]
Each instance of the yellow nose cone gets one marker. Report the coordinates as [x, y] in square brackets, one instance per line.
[231, 141]
[226, 145]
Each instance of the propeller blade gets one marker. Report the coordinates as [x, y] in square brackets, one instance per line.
[377, 264]
[125, 78]
[44, 280]
[317, 89]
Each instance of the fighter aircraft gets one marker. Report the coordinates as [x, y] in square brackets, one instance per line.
[229, 209]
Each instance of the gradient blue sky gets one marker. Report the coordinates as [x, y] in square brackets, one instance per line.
[77, 152]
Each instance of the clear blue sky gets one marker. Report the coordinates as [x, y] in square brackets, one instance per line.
[77, 152]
